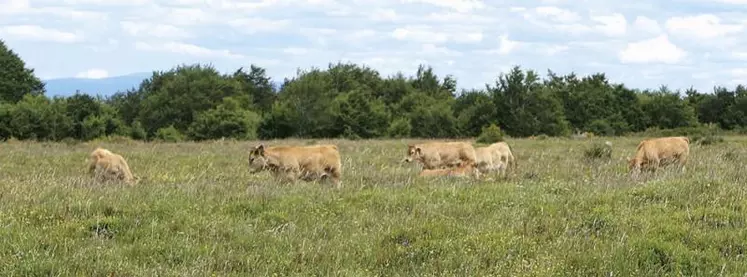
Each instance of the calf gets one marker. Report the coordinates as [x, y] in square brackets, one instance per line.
[298, 162]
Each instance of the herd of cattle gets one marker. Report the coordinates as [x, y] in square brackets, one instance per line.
[316, 162]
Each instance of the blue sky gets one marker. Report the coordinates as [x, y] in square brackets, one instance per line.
[641, 43]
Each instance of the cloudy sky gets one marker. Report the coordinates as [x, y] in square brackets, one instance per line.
[677, 42]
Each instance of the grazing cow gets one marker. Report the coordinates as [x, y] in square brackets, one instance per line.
[298, 162]
[657, 152]
[435, 155]
[495, 157]
[105, 165]
[460, 171]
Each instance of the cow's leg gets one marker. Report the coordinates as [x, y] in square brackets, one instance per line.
[291, 175]
[336, 174]
[655, 164]
[683, 162]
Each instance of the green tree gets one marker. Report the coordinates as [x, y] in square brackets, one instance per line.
[173, 98]
[258, 86]
[228, 120]
[665, 109]
[15, 79]
[527, 107]
[474, 110]
[360, 113]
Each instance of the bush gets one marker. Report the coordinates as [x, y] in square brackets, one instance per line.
[399, 128]
[118, 139]
[707, 140]
[137, 131]
[599, 150]
[694, 133]
[490, 134]
[169, 134]
[602, 127]
[228, 120]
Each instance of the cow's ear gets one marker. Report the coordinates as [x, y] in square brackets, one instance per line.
[260, 149]
[418, 150]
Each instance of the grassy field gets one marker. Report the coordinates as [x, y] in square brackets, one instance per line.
[198, 212]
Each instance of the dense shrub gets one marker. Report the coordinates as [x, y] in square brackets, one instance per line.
[598, 150]
[490, 134]
[169, 134]
[399, 128]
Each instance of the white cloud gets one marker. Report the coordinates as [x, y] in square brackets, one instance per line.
[457, 5]
[646, 25]
[505, 46]
[107, 2]
[555, 49]
[431, 49]
[255, 25]
[705, 26]
[739, 72]
[558, 14]
[736, 2]
[187, 49]
[295, 50]
[141, 29]
[188, 16]
[384, 15]
[428, 34]
[462, 18]
[95, 73]
[37, 33]
[13, 6]
[419, 34]
[740, 55]
[24, 7]
[611, 25]
[567, 21]
[655, 50]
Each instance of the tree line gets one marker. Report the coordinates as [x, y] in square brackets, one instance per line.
[196, 102]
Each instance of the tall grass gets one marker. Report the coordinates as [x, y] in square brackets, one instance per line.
[197, 212]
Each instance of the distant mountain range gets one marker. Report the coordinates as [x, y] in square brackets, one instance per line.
[104, 86]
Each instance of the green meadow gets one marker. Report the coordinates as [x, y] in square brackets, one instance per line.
[197, 211]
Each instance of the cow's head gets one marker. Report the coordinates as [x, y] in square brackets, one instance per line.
[634, 167]
[257, 159]
[632, 163]
[414, 153]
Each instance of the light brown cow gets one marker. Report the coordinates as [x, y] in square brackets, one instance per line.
[495, 157]
[298, 162]
[657, 152]
[460, 171]
[435, 155]
[105, 165]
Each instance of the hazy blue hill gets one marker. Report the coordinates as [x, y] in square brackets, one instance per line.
[104, 86]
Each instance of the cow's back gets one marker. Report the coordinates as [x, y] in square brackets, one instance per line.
[665, 147]
[324, 153]
[484, 155]
[452, 151]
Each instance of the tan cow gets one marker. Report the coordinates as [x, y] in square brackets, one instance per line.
[657, 152]
[436, 155]
[105, 165]
[298, 162]
[460, 171]
[495, 157]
